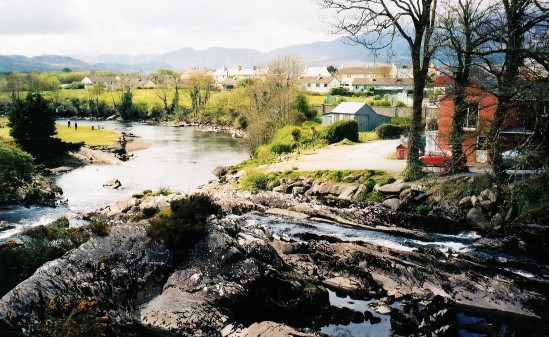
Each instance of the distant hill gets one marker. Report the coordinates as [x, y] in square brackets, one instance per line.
[335, 53]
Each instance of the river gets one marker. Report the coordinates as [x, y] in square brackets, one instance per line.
[178, 158]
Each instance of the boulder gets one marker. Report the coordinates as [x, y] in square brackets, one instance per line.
[113, 184]
[393, 188]
[269, 329]
[407, 193]
[220, 171]
[466, 202]
[475, 218]
[348, 192]
[392, 203]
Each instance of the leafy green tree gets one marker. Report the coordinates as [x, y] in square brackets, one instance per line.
[125, 108]
[332, 70]
[31, 118]
[16, 169]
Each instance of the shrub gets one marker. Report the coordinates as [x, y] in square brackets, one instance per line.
[390, 131]
[242, 122]
[281, 148]
[16, 168]
[99, 228]
[340, 91]
[340, 130]
[184, 222]
[254, 180]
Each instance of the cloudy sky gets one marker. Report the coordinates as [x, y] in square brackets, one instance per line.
[93, 27]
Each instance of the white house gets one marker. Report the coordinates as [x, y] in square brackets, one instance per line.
[236, 74]
[316, 72]
[347, 75]
[320, 84]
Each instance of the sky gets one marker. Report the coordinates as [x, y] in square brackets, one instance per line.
[95, 27]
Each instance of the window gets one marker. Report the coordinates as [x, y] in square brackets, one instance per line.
[325, 85]
[318, 85]
[471, 119]
[308, 85]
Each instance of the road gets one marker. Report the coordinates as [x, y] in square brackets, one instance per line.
[364, 156]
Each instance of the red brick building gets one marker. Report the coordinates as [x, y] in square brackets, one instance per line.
[480, 115]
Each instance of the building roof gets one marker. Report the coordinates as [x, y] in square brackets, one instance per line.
[364, 70]
[235, 72]
[316, 71]
[383, 81]
[316, 79]
[442, 81]
[349, 107]
[196, 72]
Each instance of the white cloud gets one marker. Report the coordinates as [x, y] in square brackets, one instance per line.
[34, 27]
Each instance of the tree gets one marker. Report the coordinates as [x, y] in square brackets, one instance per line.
[332, 70]
[464, 33]
[375, 24]
[519, 38]
[200, 87]
[272, 100]
[125, 107]
[32, 122]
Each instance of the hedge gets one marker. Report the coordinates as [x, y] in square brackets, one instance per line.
[340, 130]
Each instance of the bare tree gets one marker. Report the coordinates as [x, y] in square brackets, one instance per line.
[464, 33]
[374, 24]
[521, 32]
[272, 99]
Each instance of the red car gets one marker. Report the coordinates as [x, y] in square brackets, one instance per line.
[438, 158]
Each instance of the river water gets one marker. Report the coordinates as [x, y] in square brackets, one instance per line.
[178, 158]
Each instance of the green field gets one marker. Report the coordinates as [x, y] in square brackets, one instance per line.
[84, 134]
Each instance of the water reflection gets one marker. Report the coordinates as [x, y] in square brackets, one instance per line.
[179, 158]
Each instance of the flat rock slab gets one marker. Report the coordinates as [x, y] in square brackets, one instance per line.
[393, 188]
[287, 214]
[347, 284]
[269, 329]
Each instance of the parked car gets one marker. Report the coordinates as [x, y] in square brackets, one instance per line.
[438, 158]
[520, 159]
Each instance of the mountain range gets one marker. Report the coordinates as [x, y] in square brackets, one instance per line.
[335, 52]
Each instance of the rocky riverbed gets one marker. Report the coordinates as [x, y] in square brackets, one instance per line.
[245, 278]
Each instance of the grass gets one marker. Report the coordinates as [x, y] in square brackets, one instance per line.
[84, 134]
[87, 135]
[147, 96]
[367, 136]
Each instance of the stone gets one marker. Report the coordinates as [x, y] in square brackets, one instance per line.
[220, 171]
[380, 307]
[407, 193]
[299, 190]
[487, 204]
[475, 218]
[466, 202]
[113, 184]
[512, 213]
[270, 329]
[497, 220]
[348, 192]
[279, 189]
[393, 188]
[392, 203]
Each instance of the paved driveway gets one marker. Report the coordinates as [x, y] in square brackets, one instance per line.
[370, 155]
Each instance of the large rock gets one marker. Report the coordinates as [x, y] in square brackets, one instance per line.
[113, 184]
[269, 329]
[118, 271]
[393, 188]
[231, 277]
[475, 218]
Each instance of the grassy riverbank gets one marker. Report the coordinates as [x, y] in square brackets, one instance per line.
[84, 134]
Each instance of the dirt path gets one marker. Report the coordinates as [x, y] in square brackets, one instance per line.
[370, 155]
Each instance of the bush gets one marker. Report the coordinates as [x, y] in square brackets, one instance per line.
[184, 222]
[281, 148]
[340, 91]
[390, 131]
[16, 169]
[253, 181]
[340, 130]
[99, 228]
